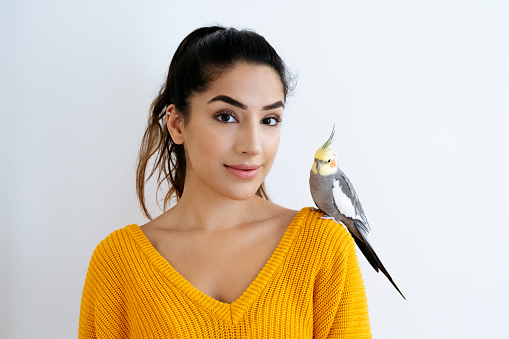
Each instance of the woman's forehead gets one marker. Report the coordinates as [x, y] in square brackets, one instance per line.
[247, 81]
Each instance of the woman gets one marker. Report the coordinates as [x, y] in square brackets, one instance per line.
[224, 261]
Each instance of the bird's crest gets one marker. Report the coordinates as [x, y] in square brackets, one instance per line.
[325, 152]
[329, 141]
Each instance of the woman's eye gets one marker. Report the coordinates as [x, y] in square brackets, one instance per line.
[225, 117]
[271, 121]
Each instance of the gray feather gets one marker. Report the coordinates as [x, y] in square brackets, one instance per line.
[322, 193]
[349, 191]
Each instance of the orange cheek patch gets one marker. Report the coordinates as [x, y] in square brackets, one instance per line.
[333, 163]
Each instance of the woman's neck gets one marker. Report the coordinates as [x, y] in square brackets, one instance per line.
[218, 213]
[207, 210]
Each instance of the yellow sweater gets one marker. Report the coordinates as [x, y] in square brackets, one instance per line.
[311, 287]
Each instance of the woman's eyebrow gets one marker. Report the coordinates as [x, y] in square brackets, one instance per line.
[228, 100]
[233, 102]
[275, 105]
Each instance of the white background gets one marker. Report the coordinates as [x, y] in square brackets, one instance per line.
[418, 91]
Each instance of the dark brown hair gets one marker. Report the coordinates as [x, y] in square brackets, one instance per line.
[200, 59]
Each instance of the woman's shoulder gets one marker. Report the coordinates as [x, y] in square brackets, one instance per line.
[116, 241]
[314, 224]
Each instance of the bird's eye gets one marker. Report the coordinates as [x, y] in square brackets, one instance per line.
[328, 160]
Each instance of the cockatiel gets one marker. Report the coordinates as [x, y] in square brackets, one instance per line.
[334, 195]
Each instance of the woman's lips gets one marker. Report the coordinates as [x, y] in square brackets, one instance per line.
[243, 171]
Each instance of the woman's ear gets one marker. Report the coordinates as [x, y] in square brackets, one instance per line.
[175, 124]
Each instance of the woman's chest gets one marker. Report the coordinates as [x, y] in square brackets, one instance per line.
[221, 265]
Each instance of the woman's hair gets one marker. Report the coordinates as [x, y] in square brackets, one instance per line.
[200, 59]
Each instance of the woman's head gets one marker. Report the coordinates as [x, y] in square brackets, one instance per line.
[207, 52]
[201, 58]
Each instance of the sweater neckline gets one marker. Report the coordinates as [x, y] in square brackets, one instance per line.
[228, 312]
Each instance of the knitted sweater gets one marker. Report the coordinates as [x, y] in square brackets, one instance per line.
[311, 287]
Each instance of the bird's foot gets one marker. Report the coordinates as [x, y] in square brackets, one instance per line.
[326, 217]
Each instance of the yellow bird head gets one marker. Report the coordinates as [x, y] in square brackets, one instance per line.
[325, 162]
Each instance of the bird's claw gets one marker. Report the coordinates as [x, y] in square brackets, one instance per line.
[326, 217]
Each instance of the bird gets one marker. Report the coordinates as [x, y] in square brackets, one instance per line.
[335, 196]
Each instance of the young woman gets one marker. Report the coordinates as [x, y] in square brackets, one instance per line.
[224, 261]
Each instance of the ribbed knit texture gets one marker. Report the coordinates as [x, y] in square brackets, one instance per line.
[311, 287]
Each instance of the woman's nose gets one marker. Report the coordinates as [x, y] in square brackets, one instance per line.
[249, 138]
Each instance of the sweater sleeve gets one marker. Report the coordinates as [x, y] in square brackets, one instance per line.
[341, 308]
[102, 311]
[86, 322]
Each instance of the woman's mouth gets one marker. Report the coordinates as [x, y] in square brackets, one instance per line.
[243, 171]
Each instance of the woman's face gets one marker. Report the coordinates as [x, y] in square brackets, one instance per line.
[232, 134]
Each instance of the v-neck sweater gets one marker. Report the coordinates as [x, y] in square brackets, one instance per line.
[311, 287]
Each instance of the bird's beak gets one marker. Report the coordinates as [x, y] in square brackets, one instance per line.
[319, 164]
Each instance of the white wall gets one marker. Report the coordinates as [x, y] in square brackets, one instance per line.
[418, 91]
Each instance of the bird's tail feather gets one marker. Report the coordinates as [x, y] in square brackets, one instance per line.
[373, 259]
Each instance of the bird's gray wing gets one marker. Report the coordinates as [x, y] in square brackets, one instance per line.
[347, 200]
